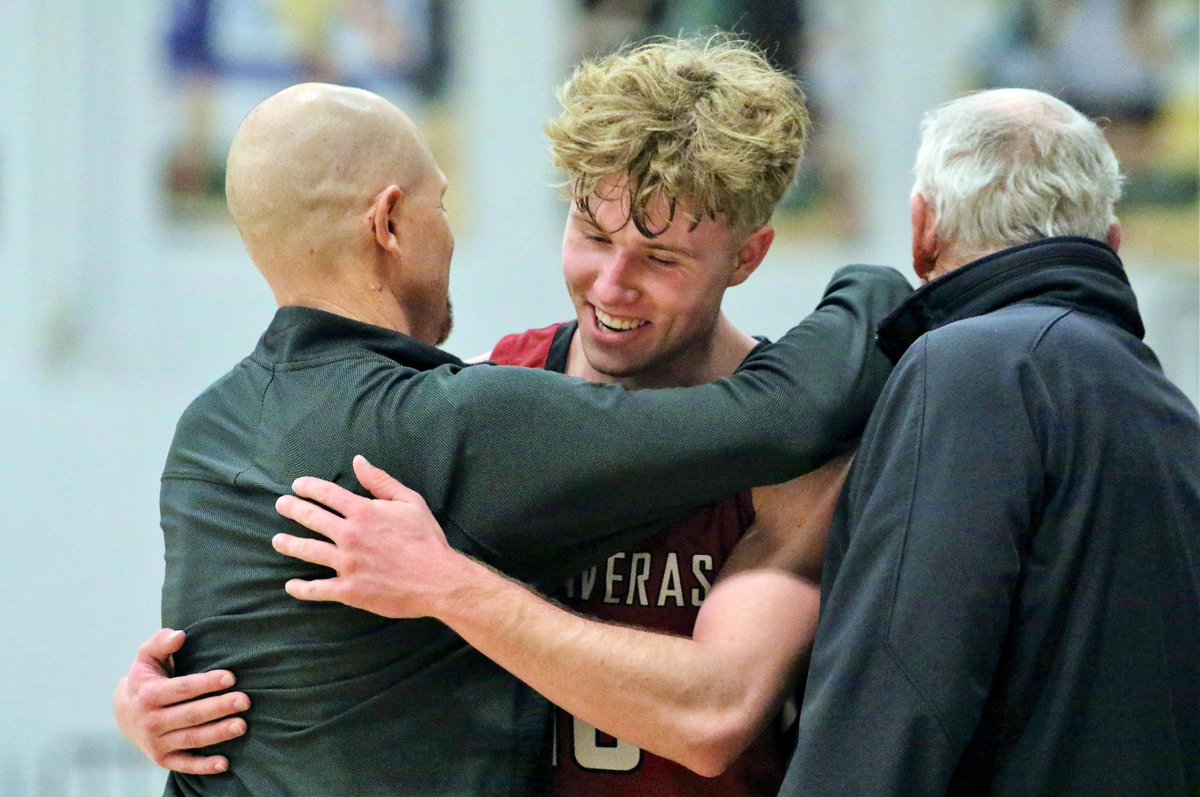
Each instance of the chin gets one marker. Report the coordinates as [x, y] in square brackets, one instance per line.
[619, 368]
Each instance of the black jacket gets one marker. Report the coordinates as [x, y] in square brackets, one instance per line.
[1011, 594]
[535, 473]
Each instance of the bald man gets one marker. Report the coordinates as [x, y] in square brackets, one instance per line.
[339, 203]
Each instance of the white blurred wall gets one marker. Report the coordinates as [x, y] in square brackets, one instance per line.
[114, 317]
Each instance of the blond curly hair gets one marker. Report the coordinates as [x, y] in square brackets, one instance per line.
[705, 122]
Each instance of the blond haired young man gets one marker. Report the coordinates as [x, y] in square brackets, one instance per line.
[677, 153]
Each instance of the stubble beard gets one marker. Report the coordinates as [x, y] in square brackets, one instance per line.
[447, 324]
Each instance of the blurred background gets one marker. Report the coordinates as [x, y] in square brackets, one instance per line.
[125, 290]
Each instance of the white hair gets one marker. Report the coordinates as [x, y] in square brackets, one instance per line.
[1009, 166]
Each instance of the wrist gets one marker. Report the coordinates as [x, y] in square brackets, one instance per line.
[461, 587]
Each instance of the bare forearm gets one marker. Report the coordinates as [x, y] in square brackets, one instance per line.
[698, 701]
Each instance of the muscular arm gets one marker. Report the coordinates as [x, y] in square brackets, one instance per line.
[699, 700]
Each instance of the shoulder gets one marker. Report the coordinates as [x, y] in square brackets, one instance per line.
[979, 377]
[976, 371]
[529, 349]
[1025, 337]
[239, 389]
[978, 343]
[984, 353]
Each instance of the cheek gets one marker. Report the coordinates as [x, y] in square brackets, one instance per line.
[579, 271]
[679, 294]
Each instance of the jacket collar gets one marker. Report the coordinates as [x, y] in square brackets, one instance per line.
[303, 333]
[1080, 273]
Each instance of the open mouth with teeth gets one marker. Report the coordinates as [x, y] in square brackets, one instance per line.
[612, 323]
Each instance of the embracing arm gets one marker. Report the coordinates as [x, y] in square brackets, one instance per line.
[613, 466]
[829, 361]
[166, 716]
[699, 701]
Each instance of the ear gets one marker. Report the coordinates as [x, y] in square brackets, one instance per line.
[751, 254]
[1114, 235]
[379, 217]
[924, 238]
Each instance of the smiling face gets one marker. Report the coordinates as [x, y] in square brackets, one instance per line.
[649, 307]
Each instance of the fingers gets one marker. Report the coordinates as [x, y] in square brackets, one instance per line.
[164, 716]
[380, 483]
[307, 550]
[194, 765]
[169, 691]
[322, 589]
[174, 746]
[194, 724]
[310, 515]
[339, 499]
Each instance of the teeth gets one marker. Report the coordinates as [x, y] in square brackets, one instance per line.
[615, 324]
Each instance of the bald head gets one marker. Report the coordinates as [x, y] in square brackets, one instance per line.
[306, 164]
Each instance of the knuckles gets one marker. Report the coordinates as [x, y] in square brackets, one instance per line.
[189, 739]
[193, 716]
[154, 726]
[143, 699]
[350, 537]
[303, 513]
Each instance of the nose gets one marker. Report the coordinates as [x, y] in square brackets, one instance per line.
[616, 284]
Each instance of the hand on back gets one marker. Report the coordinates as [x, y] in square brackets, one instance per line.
[166, 717]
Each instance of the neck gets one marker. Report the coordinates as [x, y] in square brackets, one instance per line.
[346, 284]
[951, 260]
[369, 306]
[717, 358]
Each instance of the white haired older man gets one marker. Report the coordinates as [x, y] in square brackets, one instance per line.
[1011, 592]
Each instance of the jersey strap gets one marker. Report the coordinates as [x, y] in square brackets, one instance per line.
[529, 349]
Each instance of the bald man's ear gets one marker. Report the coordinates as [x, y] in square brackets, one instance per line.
[380, 217]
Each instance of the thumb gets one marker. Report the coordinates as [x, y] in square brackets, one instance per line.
[155, 653]
[160, 646]
[380, 482]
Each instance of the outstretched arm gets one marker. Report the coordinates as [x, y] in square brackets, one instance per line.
[167, 716]
[699, 700]
[616, 466]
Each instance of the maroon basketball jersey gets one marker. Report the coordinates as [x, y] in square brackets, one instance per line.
[659, 586]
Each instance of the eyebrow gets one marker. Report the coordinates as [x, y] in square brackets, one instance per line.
[584, 219]
[675, 250]
[575, 213]
[651, 243]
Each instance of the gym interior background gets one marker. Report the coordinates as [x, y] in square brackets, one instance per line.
[125, 290]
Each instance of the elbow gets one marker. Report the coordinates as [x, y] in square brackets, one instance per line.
[711, 764]
[711, 746]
